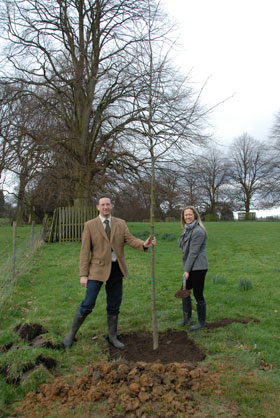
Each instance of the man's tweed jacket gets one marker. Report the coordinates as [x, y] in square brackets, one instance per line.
[96, 249]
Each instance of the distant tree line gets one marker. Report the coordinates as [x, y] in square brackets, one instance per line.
[90, 101]
[244, 177]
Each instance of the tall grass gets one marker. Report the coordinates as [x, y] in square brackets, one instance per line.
[246, 355]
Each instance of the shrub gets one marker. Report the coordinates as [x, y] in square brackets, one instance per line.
[245, 284]
[218, 279]
[211, 217]
[5, 221]
[168, 237]
[142, 235]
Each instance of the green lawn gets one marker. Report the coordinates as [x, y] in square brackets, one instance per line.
[48, 292]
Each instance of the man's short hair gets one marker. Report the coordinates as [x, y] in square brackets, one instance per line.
[102, 196]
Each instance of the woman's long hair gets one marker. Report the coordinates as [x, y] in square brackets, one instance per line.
[196, 215]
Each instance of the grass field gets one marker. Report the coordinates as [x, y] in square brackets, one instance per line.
[247, 356]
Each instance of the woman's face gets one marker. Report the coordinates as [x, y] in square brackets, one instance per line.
[189, 216]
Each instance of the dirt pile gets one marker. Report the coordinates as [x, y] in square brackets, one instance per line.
[140, 389]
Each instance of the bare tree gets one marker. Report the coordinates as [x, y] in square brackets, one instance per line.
[249, 170]
[271, 189]
[211, 170]
[6, 154]
[191, 193]
[24, 157]
[80, 56]
[132, 197]
[169, 190]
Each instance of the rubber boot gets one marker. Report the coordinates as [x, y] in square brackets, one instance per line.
[77, 322]
[187, 311]
[112, 321]
[201, 315]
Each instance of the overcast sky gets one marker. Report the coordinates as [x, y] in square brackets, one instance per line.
[236, 44]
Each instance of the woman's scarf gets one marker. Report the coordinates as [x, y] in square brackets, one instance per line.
[185, 235]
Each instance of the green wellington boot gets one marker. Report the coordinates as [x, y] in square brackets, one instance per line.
[187, 311]
[112, 321]
[77, 322]
[201, 315]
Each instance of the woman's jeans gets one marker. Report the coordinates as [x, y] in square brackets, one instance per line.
[113, 291]
[196, 282]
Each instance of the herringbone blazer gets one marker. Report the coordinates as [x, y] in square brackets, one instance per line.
[193, 245]
[96, 249]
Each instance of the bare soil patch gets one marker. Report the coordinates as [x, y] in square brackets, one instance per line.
[173, 345]
[227, 321]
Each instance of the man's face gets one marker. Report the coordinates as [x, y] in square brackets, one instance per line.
[104, 207]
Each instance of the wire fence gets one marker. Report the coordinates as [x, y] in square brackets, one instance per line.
[14, 259]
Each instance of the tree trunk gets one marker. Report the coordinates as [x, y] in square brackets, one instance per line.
[19, 217]
[247, 210]
[153, 281]
[31, 217]
[82, 187]
[20, 200]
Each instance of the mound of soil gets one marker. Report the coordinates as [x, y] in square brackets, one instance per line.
[131, 389]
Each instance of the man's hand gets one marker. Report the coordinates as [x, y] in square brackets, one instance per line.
[83, 281]
[150, 241]
[186, 275]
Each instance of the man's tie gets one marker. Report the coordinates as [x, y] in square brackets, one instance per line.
[107, 228]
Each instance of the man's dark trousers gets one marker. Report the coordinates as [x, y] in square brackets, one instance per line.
[113, 291]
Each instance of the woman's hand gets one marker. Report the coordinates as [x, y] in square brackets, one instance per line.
[185, 278]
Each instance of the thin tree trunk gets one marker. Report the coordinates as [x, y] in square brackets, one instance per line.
[20, 199]
[247, 210]
[153, 280]
[14, 272]
[152, 208]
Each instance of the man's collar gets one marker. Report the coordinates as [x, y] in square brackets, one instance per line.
[104, 219]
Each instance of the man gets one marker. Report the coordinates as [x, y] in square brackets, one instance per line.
[102, 261]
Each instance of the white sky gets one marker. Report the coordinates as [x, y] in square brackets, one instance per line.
[236, 44]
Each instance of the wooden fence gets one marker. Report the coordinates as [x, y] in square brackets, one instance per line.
[67, 223]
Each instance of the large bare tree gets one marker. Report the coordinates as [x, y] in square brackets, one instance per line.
[77, 59]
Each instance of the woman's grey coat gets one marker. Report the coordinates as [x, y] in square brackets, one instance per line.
[192, 242]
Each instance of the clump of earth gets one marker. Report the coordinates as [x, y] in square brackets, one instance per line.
[131, 389]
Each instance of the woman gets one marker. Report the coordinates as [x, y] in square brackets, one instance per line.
[192, 242]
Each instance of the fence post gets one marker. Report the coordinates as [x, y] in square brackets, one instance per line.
[32, 240]
[14, 249]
